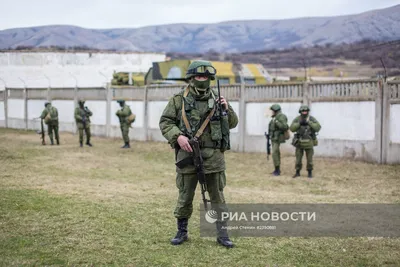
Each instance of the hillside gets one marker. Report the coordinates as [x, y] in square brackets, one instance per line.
[231, 36]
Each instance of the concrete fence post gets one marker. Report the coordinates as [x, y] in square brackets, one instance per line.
[26, 107]
[48, 94]
[146, 114]
[242, 116]
[75, 130]
[307, 94]
[6, 107]
[385, 122]
[108, 109]
[378, 120]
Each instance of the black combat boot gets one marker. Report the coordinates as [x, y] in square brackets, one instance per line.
[58, 142]
[309, 173]
[126, 145]
[52, 141]
[182, 234]
[222, 235]
[297, 174]
[277, 171]
[88, 143]
[80, 144]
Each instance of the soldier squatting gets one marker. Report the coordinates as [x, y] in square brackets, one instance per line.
[197, 121]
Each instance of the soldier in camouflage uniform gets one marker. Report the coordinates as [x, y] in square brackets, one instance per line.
[199, 101]
[276, 130]
[82, 118]
[305, 128]
[50, 117]
[123, 115]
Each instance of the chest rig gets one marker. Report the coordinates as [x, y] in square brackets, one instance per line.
[199, 120]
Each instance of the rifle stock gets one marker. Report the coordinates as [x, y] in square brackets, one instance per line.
[268, 144]
[42, 132]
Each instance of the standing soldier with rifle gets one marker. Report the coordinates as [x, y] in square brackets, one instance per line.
[305, 128]
[82, 119]
[196, 123]
[278, 134]
[50, 117]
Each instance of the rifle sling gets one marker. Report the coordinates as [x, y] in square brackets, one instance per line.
[186, 122]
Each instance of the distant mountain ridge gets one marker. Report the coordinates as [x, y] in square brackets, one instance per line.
[231, 36]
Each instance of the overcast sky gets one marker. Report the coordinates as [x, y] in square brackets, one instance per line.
[132, 13]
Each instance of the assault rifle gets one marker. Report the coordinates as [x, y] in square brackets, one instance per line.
[268, 144]
[199, 166]
[197, 160]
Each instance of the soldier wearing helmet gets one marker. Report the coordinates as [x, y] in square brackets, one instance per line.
[305, 128]
[50, 117]
[194, 113]
[276, 130]
[123, 115]
[82, 118]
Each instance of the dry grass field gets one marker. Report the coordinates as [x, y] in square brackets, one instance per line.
[65, 205]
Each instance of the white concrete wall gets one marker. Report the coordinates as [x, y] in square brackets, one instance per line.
[16, 108]
[99, 109]
[65, 109]
[35, 108]
[155, 111]
[2, 115]
[258, 116]
[137, 108]
[235, 106]
[345, 120]
[395, 123]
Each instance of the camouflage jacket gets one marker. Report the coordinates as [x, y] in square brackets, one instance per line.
[197, 108]
[277, 127]
[81, 114]
[307, 134]
[123, 114]
[53, 115]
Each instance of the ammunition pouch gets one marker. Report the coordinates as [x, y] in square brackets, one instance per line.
[315, 142]
[295, 140]
[216, 132]
[225, 142]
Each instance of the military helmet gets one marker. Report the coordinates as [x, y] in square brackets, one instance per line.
[46, 103]
[275, 107]
[201, 67]
[304, 108]
[121, 101]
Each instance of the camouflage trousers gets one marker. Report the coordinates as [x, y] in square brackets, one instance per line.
[87, 132]
[125, 132]
[276, 154]
[299, 157]
[187, 183]
[53, 128]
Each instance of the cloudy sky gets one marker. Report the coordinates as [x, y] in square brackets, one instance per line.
[132, 13]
